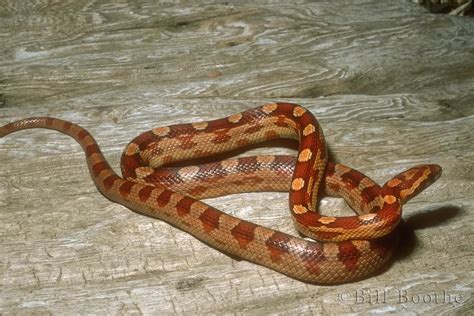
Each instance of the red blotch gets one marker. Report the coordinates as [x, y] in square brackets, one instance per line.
[129, 164]
[67, 126]
[197, 191]
[223, 123]
[352, 179]
[221, 136]
[144, 140]
[82, 134]
[91, 149]
[145, 192]
[308, 218]
[183, 207]
[243, 165]
[126, 187]
[286, 108]
[181, 129]
[349, 255]
[277, 244]
[244, 233]
[99, 167]
[164, 198]
[186, 141]
[330, 169]
[210, 219]
[334, 187]
[249, 163]
[109, 181]
[49, 121]
[368, 194]
[253, 180]
[281, 121]
[253, 129]
[312, 255]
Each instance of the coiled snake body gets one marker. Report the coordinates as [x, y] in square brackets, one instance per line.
[345, 249]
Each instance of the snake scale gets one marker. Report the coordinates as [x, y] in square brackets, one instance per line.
[344, 249]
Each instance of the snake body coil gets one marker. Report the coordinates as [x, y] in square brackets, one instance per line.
[345, 249]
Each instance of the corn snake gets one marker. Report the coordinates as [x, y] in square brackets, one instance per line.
[348, 248]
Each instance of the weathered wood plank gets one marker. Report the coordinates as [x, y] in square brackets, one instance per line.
[243, 51]
[391, 85]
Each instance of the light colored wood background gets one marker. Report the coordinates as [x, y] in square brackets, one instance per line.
[392, 85]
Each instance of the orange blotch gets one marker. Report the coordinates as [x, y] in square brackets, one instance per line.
[309, 129]
[305, 155]
[393, 182]
[297, 184]
[390, 199]
[299, 111]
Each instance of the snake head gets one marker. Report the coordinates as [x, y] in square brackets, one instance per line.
[409, 183]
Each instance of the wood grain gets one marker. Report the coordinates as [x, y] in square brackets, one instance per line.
[390, 83]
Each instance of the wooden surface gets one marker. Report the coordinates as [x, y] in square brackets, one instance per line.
[392, 85]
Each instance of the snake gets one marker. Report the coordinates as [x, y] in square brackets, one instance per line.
[329, 250]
